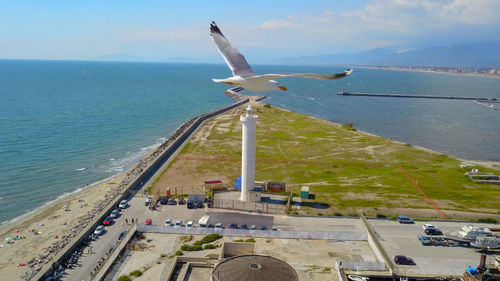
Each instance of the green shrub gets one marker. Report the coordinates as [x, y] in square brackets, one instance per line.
[210, 238]
[123, 278]
[267, 105]
[179, 253]
[487, 220]
[162, 255]
[239, 240]
[209, 246]
[158, 262]
[250, 240]
[348, 126]
[188, 248]
[338, 214]
[136, 273]
[381, 216]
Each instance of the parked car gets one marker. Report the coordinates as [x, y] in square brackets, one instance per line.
[181, 201]
[149, 221]
[200, 205]
[219, 226]
[168, 222]
[433, 231]
[399, 259]
[189, 224]
[178, 223]
[253, 227]
[244, 226]
[148, 201]
[115, 213]
[163, 201]
[274, 228]
[99, 230]
[107, 221]
[171, 201]
[428, 226]
[263, 227]
[121, 235]
[404, 219]
[123, 204]
[424, 240]
[190, 204]
[233, 226]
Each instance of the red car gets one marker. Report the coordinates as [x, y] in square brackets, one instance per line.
[149, 221]
[107, 221]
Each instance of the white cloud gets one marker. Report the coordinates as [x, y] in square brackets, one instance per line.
[380, 23]
[275, 24]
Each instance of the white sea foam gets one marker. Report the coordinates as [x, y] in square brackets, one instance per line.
[65, 194]
[118, 167]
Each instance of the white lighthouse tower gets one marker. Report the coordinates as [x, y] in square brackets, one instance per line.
[249, 124]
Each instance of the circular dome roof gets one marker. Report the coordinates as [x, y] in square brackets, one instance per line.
[254, 268]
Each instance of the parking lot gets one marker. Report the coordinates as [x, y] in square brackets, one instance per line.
[227, 217]
[402, 239]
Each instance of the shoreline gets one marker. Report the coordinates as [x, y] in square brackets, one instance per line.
[395, 68]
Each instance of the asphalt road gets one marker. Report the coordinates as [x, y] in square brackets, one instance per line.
[102, 245]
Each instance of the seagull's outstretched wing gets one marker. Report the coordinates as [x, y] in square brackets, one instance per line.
[234, 59]
[305, 75]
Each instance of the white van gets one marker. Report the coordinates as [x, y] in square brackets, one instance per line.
[204, 221]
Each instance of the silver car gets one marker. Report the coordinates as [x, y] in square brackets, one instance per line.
[123, 204]
[99, 230]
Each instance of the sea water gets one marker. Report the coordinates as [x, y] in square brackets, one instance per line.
[66, 124]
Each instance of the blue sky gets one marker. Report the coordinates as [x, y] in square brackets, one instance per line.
[262, 30]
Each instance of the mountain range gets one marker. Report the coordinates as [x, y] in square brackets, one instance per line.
[484, 54]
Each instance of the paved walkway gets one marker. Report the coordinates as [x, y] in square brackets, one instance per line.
[102, 246]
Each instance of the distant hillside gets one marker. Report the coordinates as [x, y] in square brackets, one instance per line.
[463, 55]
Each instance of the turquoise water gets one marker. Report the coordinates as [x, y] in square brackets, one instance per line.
[64, 125]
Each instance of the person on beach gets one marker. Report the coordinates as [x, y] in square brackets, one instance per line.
[126, 221]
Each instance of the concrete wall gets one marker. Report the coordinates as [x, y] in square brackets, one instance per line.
[231, 249]
[376, 246]
[362, 265]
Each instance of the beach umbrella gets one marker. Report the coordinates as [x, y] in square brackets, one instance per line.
[8, 238]
[65, 206]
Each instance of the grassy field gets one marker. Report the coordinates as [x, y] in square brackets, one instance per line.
[346, 169]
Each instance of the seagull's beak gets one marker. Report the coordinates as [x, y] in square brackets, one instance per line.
[283, 88]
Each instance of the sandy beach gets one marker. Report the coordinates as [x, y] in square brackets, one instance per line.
[40, 229]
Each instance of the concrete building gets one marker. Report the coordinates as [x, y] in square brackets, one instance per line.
[249, 124]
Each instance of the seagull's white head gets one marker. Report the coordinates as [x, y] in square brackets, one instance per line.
[274, 85]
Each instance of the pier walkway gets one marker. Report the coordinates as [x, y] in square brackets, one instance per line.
[480, 99]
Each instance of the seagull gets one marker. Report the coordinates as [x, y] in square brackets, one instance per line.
[243, 75]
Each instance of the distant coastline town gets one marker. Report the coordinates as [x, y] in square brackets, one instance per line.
[476, 71]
